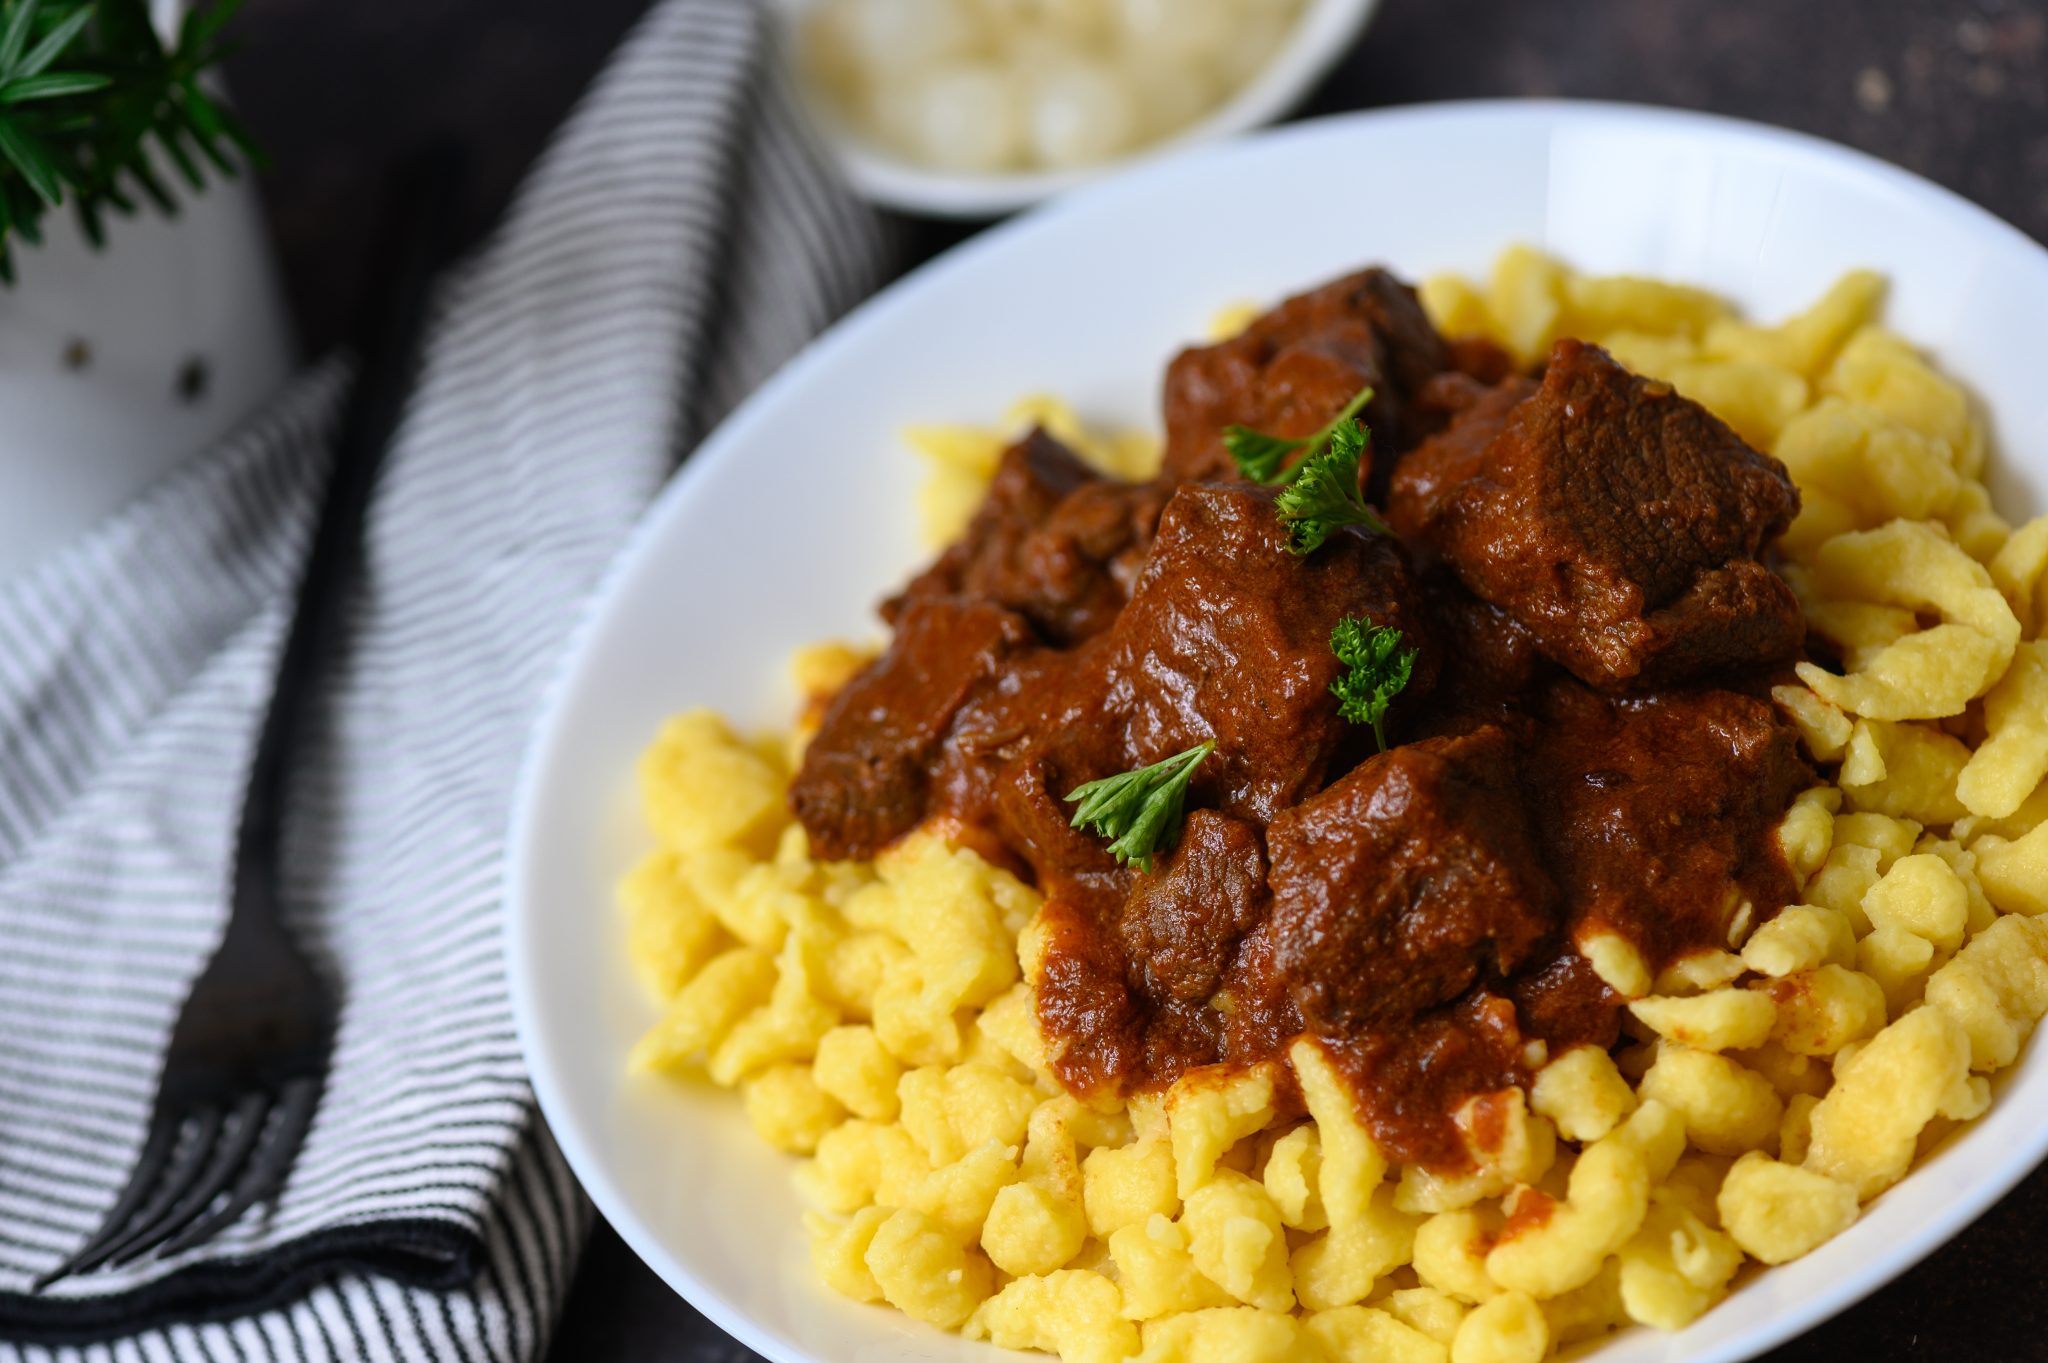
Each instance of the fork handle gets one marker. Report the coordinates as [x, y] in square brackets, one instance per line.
[388, 338]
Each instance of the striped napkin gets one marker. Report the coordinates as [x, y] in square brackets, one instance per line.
[676, 243]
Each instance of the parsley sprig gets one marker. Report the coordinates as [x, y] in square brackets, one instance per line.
[90, 97]
[1376, 670]
[1260, 457]
[1139, 811]
[1324, 495]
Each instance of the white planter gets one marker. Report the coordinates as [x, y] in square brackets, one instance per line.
[99, 349]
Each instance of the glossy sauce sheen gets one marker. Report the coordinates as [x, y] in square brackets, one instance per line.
[1582, 746]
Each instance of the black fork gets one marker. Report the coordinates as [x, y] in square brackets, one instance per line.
[248, 1057]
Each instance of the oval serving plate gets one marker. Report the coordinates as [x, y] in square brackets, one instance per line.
[1088, 299]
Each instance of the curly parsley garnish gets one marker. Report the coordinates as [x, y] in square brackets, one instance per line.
[1324, 495]
[1260, 457]
[1376, 668]
[1140, 811]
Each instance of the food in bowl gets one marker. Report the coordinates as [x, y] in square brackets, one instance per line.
[1003, 85]
[1461, 856]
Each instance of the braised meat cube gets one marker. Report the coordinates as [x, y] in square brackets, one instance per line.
[1479, 358]
[1428, 475]
[1295, 367]
[1053, 541]
[1227, 637]
[1181, 927]
[1490, 661]
[865, 778]
[1621, 523]
[1096, 1027]
[1406, 881]
[1658, 813]
[1019, 747]
[1142, 981]
[1032, 477]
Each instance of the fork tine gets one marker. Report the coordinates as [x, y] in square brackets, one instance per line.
[265, 1173]
[156, 1151]
[195, 1143]
[226, 1161]
[160, 1175]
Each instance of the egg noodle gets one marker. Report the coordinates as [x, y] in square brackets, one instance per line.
[878, 1018]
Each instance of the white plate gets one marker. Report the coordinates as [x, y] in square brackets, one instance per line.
[1322, 35]
[1088, 298]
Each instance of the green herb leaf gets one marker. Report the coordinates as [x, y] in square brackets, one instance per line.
[1324, 496]
[1376, 670]
[118, 198]
[153, 185]
[53, 85]
[26, 154]
[14, 38]
[28, 223]
[201, 112]
[54, 42]
[1139, 811]
[89, 222]
[1260, 457]
[244, 141]
[204, 21]
[172, 140]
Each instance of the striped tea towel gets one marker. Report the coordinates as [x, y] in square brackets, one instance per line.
[677, 241]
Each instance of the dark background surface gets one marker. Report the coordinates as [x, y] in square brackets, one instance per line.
[1955, 91]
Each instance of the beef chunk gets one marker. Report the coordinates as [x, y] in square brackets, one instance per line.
[1490, 661]
[1406, 881]
[1476, 356]
[1158, 974]
[1053, 541]
[1032, 477]
[1016, 755]
[1099, 1034]
[1227, 636]
[1295, 367]
[1181, 927]
[1618, 521]
[865, 776]
[1438, 468]
[1657, 813]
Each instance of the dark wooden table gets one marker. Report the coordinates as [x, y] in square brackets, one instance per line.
[1955, 91]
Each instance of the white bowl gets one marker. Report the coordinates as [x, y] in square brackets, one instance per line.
[1324, 32]
[1087, 299]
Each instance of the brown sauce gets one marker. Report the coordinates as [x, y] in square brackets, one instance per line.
[1411, 1078]
[1532, 1211]
[1580, 747]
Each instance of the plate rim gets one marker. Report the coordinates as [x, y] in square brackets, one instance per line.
[729, 439]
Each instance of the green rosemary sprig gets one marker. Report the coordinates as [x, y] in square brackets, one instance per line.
[90, 96]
